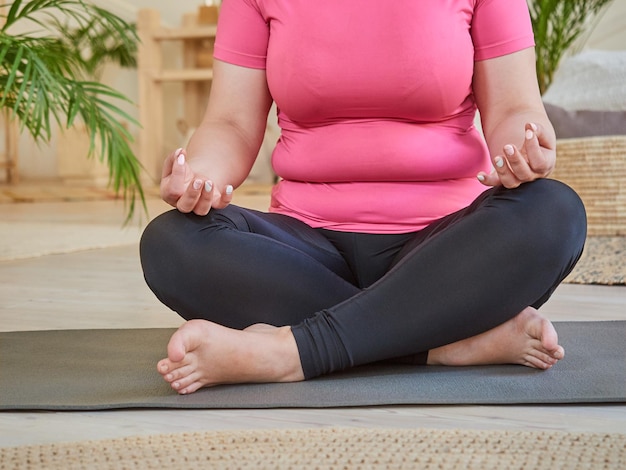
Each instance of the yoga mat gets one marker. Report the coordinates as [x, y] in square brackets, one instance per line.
[109, 369]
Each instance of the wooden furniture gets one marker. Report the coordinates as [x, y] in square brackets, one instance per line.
[11, 138]
[10, 155]
[196, 75]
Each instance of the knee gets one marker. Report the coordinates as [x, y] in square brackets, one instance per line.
[558, 210]
[172, 236]
[562, 204]
[160, 232]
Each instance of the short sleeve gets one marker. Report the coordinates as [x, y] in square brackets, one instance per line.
[501, 27]
[242, 34]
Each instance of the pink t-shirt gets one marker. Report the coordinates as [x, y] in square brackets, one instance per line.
[374, 102]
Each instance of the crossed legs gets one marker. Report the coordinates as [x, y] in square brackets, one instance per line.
[420, 304]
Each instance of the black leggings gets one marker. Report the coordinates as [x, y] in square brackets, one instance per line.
[354, 298]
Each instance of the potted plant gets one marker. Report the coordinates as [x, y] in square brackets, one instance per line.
[557, 24]
[48, 74]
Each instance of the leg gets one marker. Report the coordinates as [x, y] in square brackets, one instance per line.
[238, 267]
[515, 247]
[461, 278]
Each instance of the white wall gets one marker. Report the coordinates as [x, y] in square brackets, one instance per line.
[610, 32]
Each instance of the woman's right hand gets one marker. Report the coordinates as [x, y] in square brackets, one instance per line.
[187, 191]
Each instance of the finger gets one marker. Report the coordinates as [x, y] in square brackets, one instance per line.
[173, 182]
[518, 164]
[169, 163]
[535, 154]
[221, 200]
[506, 175]
[491, 179]
[187, 202]
[205, 201]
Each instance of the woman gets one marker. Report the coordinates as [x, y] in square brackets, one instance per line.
[396, 231]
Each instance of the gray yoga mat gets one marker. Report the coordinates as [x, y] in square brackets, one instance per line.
[109, 369]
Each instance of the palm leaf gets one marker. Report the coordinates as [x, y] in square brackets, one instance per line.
[557, 25]
[45, 77]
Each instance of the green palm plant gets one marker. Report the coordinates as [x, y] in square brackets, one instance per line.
[48, 75]
[557, 25]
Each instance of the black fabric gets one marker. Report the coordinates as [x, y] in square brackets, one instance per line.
[113, 369]
[354, 299]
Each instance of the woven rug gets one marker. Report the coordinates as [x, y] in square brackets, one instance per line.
[603, 262]
[113, 369]
[333, 448]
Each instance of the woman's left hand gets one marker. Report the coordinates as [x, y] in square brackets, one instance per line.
[516, 166]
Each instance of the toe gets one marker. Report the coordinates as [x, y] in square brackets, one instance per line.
[540, 359]
[179, 373]
[191, 388]
[163, 366]
[558, 353]
[186, 383]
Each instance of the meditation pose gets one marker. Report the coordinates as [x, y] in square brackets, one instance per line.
[397, 230]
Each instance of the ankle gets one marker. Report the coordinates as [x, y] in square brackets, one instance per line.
[291, 356]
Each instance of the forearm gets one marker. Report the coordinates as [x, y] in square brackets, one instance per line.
[222, 153]
[228, 139]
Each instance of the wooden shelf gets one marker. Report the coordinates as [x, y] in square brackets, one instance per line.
[196, 32]
[184, 75]
[153, 75]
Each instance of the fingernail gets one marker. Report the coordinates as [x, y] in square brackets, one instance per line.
[197, 184]
[480, 177]
[529, 134]
[533, 126]
[499, 162]
[208, 186]
[509, 150]
[181, 159]
[177, 152]
[229, 190]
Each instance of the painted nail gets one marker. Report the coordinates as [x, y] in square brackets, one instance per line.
[499, 162]
[208, 186]
[529, 134]
[509, 150]
[533, 126]
[480, 177]
[229, 190]
[180, 159]
[197, 184]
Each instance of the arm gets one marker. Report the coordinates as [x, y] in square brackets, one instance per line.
[521, 140]
[223, 148]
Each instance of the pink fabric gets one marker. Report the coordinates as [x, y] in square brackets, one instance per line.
[375, 102]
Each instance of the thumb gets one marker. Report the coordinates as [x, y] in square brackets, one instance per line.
[179, 164]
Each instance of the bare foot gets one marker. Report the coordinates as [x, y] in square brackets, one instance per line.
[202, 354]
[528, 339]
